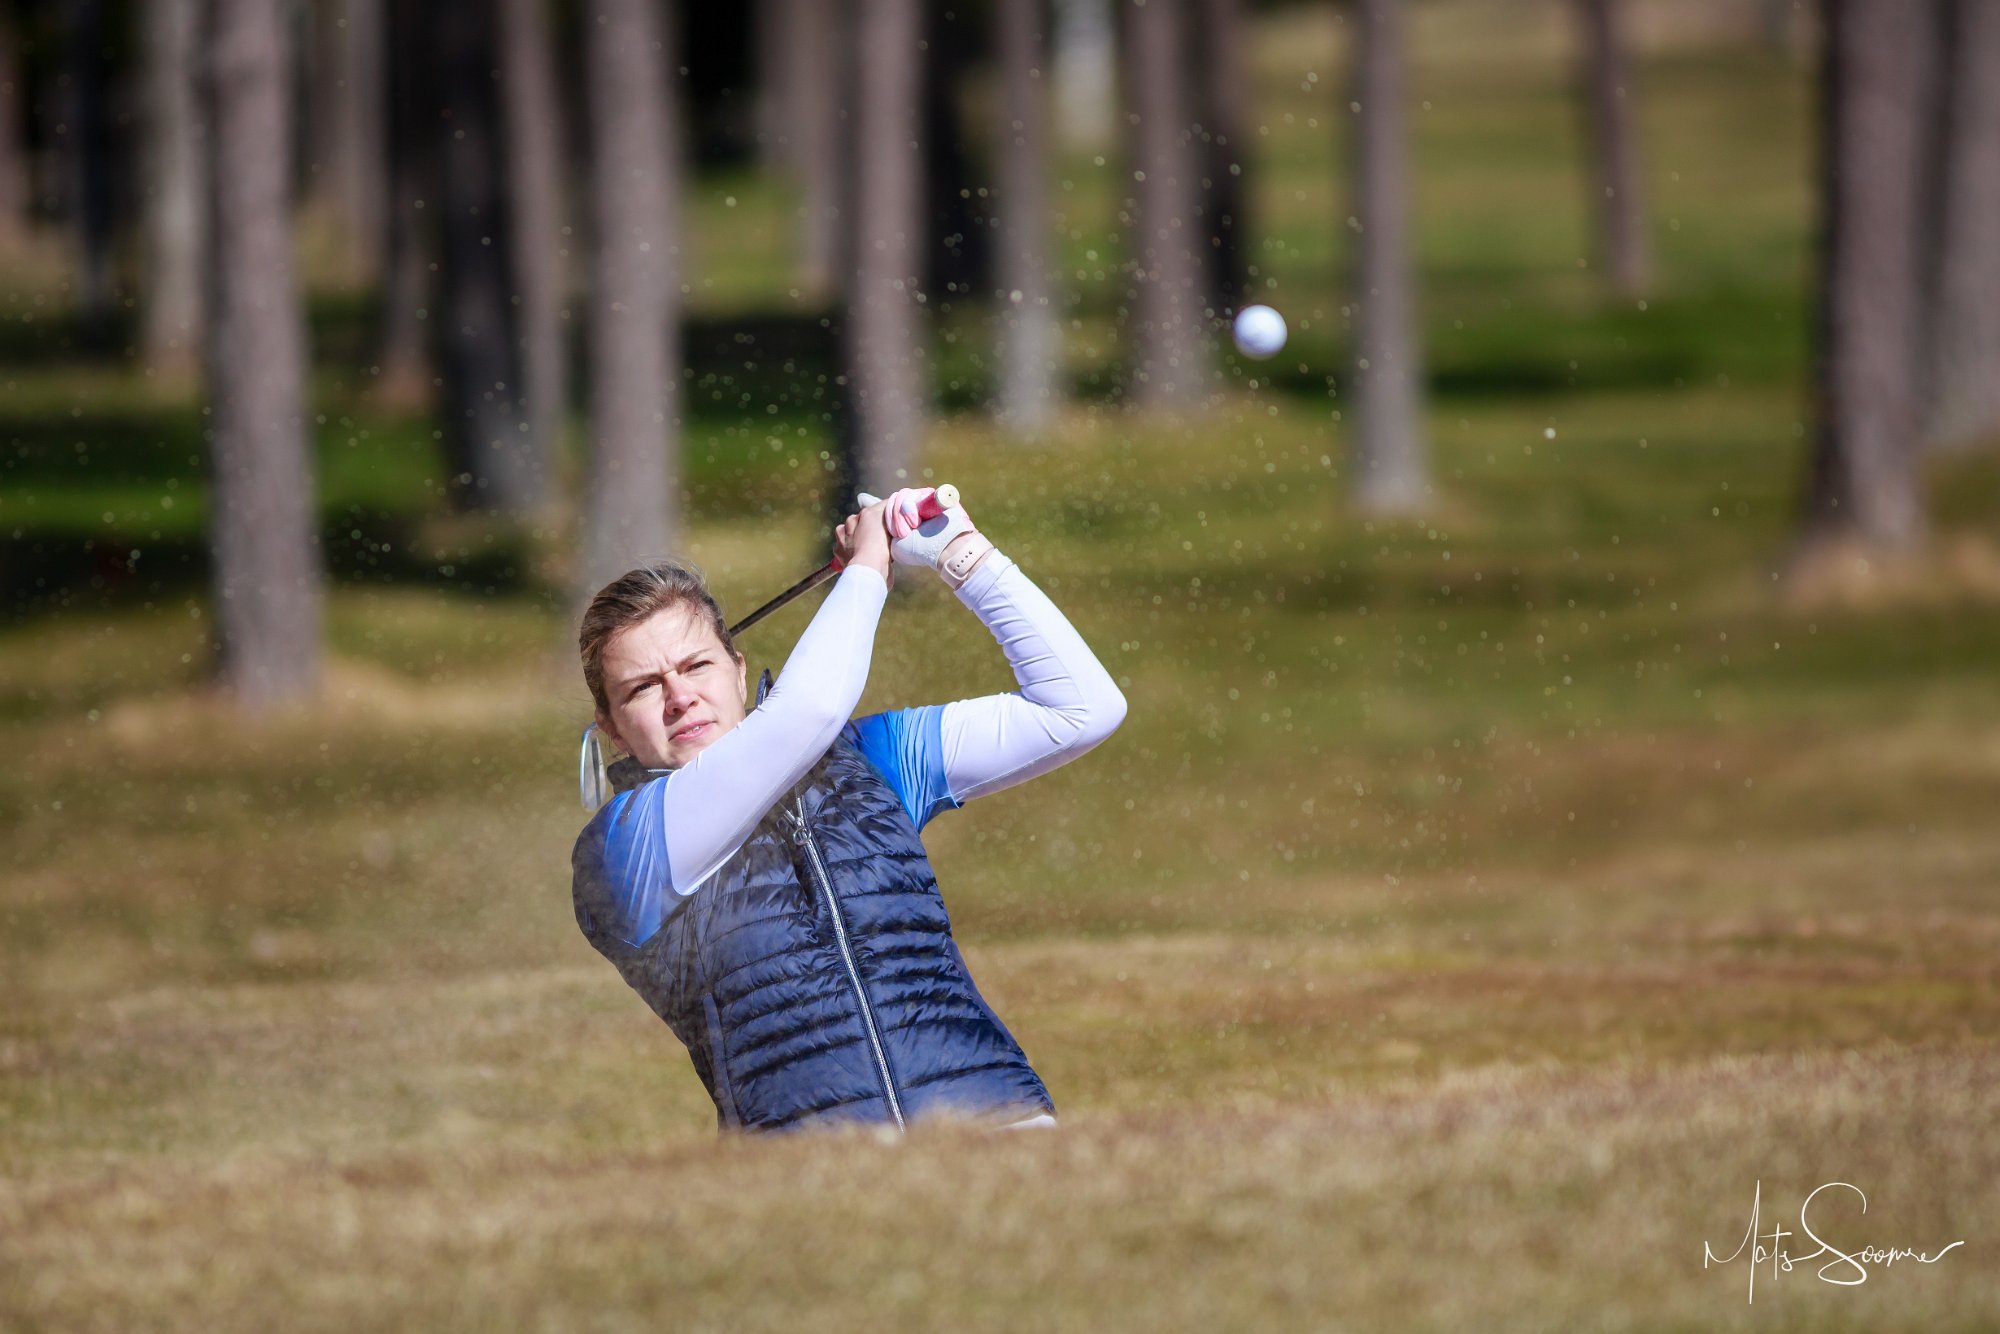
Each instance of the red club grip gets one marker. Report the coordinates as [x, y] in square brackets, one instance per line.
[930, 507]
[937, 502]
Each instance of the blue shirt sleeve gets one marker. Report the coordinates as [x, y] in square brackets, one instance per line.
[907, 745]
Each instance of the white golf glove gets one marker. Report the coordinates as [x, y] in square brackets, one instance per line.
[920, 543]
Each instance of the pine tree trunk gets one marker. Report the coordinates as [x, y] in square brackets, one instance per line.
[1086, 73]
[262, 512]
[497, 466]
[632, 503]
[885, 354]
[954, 247]
[775, 31]
[1225, 112]
[358, 160]
[1962, 398]
[1618, 205]
[403, 363]
[170, 341]
[1864, 481]
[1030, 341]
[16, 186]
[822, 64]
[1171, 363]
[348, 124]
[537, 189]
[1388, 422]
[86, 151]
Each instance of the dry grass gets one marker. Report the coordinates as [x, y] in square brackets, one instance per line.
[1506, 1197]
[1517, 1101]
[1848, 576]
[1447, 1026]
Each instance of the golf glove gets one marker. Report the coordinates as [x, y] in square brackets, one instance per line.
[914, 543]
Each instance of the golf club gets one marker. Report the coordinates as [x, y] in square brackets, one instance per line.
[933, 505]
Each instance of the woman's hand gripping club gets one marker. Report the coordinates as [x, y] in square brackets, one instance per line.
[852, 539]
[932, 529]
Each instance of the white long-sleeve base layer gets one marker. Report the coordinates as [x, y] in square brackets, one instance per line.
[671, 834]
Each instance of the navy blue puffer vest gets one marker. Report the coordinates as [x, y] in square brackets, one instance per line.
[814, 978]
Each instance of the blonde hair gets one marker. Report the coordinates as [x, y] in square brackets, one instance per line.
[638, 595]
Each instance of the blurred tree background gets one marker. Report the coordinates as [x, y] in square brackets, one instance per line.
[1569, 658]
[501, 231]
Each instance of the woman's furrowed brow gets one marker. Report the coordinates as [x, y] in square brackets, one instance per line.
[649, 672]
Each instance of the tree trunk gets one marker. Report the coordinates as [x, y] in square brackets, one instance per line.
[1031, 338]
[1388, 408]
[954, 246]
[16, 185]
[1225, 112]
[1864, 482]
[351, 133]
[822, 73]
[261, 507]
[495, 462]
[86, 153]
[1170, 367]
[1086, 65]
[774, 28]
[534, 153]
[885, 354]
[403, 364]
[1962, 390]
[1618, 206]
[171, 339]
[631, 512]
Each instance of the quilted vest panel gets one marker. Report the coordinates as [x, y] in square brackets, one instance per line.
[814, 978]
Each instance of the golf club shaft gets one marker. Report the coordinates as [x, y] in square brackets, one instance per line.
[805, 585]
[929, 508]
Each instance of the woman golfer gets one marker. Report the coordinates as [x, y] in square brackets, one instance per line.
[757, 874]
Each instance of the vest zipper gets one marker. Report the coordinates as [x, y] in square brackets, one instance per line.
[847, 956]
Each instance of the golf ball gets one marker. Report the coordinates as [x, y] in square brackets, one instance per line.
[1259, 332]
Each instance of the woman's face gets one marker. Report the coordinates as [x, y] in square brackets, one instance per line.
[672, 689]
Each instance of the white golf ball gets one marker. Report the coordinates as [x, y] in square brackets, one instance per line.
[1259, 332]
